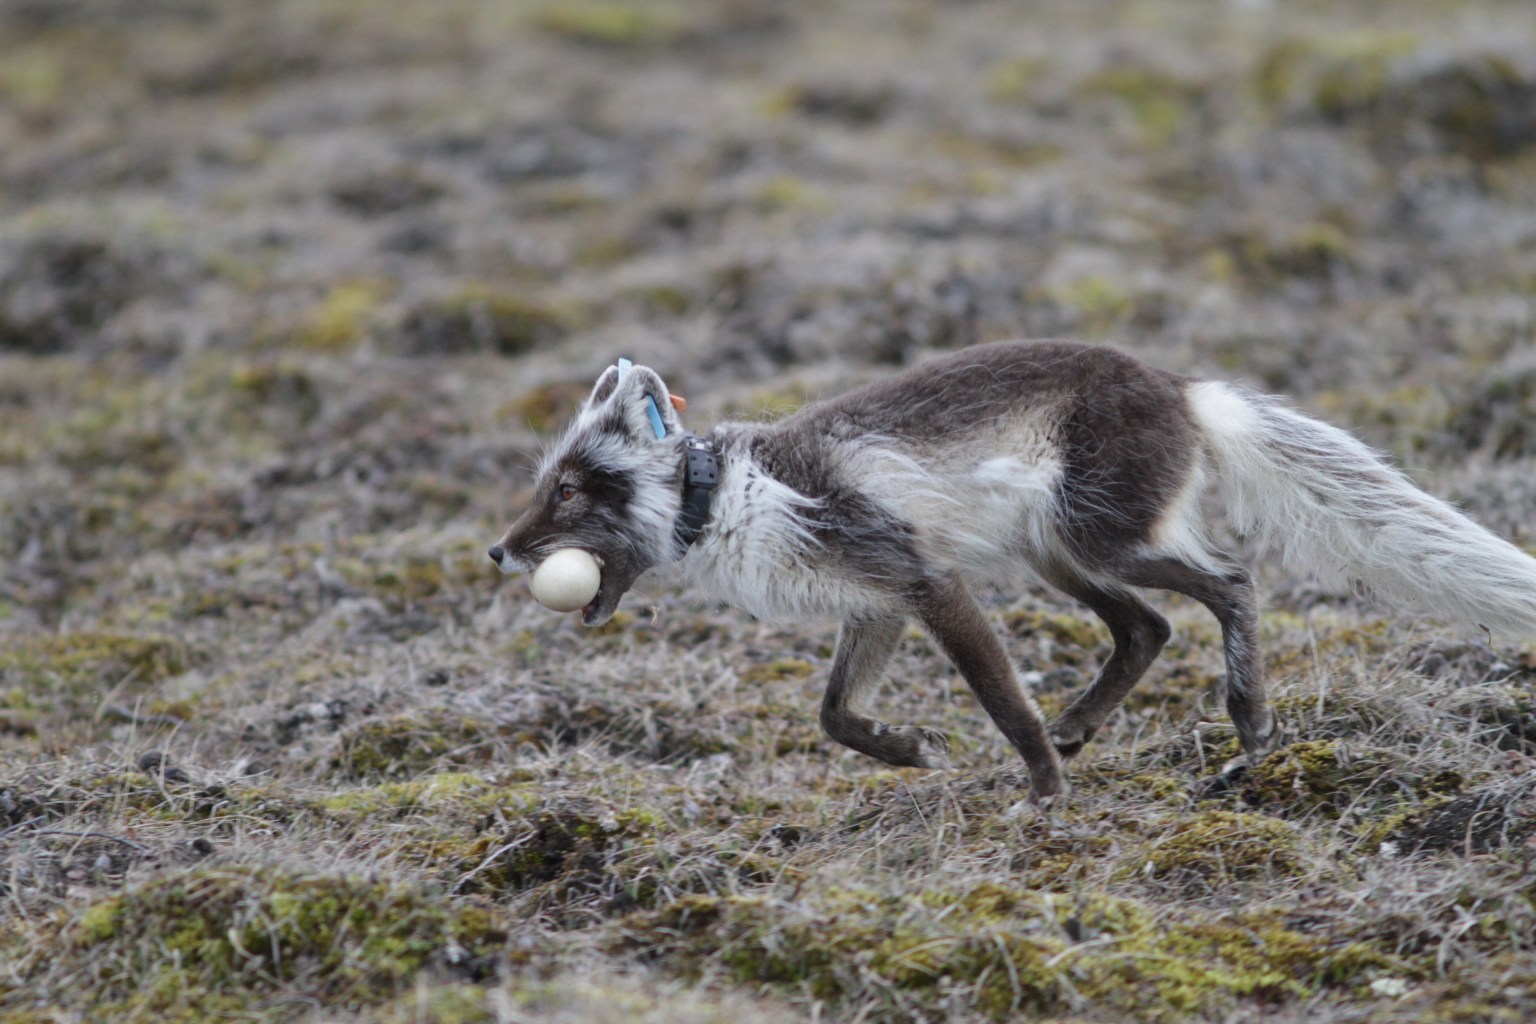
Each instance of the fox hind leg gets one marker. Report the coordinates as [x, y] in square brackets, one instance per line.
[1139, 634]
[1227, 590]
[864, 646]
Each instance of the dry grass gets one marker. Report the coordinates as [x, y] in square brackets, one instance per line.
[289, 294]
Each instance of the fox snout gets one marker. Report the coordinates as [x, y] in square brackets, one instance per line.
[499, 556]
[506, 553]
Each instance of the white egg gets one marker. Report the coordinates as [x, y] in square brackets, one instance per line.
[566, 580]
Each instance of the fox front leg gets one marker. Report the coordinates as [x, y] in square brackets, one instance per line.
[863, 649]
[951, 615]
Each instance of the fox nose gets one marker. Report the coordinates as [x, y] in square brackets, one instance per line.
[497, 554]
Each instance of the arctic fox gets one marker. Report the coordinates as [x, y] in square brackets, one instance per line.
[1001, 465]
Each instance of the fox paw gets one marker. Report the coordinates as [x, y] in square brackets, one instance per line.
[1069, 738]
[925, 748]
[1049, 790]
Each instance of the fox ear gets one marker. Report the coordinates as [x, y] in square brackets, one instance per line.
[646, 403]
[603, 388]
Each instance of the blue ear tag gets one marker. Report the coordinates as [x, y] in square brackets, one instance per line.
[650, 403]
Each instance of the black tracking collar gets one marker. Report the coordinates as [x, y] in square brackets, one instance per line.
[701, 475]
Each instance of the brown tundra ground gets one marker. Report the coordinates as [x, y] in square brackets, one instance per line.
[292, 292]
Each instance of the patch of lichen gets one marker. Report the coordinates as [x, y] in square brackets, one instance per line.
[778, 670]
[1495, 414]
[1010, 950]
[439, 791]
[69, 675]
[412, 744]
[1322, 641]
[1331, 776]
[200, 943]
[1159, 103]
[1331, 74]
[1477, 105]
[342, 318]
[1313, 251]
[406, 579]
[1413, 419]
[617, 24]
[452, 1003]
[479, 318]
[1209, 848]
[274, 394]
[546, 408]
[1066, 639]
[564, 844]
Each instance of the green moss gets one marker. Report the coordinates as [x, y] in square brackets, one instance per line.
[1481, 106]
[1332, 777]
[1333, 73]
[341, 319]
[408, 745]
[1308, 251]
[100, 922]
[563, 845]
[1071, 638]
[1496, 415]
[1009, 949]
[668, 300]
[444, 1004]
[613, 23]
[68, 675]
[1216, 846]
[776, 671]
[546, 408]
[1310, 769]
[429, 791]
[1159, 103]
[1325, 642]
[481, 319]
[276, 394]
[1013, 81]
[192, 945]
[787, 192]
[33, 76]
[403, 580]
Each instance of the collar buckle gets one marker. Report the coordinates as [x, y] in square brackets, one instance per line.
[701, 475]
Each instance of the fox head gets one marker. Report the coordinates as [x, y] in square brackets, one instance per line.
[611, 486]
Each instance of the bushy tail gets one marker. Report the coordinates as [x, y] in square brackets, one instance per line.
[1324, 503]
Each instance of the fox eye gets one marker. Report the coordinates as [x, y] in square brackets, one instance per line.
[567, 492]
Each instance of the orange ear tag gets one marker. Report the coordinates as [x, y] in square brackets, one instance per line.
[679, 403]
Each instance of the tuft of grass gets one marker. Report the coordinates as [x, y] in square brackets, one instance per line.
[205, 942]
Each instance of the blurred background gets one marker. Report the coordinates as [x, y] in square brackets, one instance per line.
[314, 268]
